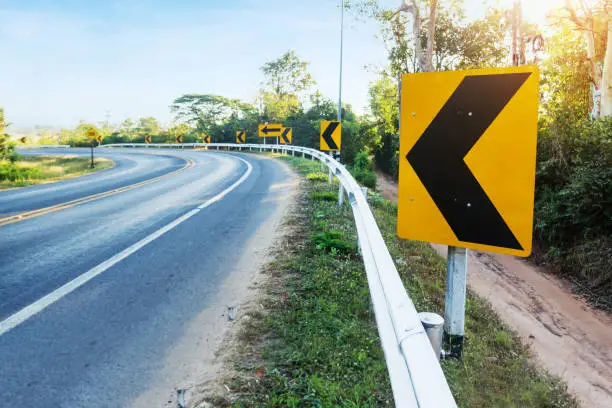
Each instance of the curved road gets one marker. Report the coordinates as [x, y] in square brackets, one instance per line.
[118, 278]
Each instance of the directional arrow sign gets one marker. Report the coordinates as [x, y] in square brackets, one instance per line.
[331, 135]
[99, 138]
[205, 139]
[269, 130]
[147, 139]
[286, 136]
[467, 158]
[178, 139]
[240, 136]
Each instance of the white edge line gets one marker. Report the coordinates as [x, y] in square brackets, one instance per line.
[24, 314]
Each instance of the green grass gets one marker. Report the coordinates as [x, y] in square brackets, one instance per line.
[314, 343]
[29, 170]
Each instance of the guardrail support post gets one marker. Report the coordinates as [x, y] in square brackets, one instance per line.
[364, 190]
[433, 324]
[292, 153]
[454, 302]
[330, 176]
[340, 195]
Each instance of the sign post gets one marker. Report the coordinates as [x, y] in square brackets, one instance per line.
[467, 169]
[92, 134]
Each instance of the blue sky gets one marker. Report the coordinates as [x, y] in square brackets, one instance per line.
[67, 60]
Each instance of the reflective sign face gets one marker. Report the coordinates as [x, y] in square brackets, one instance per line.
[331, 135]
[286, 136]
[270, 129]
[92, 134]
[467, 158]
[240, 136]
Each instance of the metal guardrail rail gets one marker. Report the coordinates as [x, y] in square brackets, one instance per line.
[416, 377]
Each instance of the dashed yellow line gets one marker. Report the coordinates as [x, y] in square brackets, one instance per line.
[73, 203]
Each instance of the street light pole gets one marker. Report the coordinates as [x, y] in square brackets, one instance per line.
[341, 49]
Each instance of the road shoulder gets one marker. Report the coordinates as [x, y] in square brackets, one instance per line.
[195, 357]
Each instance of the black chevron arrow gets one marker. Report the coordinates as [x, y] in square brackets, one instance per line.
[284, 135]
[267, 130]
[327, 135]
[438, 158]
[241, 137]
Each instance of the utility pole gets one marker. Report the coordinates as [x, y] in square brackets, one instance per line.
[341, 51]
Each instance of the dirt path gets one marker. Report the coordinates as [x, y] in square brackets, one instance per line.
[568, 337]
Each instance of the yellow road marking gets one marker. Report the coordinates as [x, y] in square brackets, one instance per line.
[73, 203]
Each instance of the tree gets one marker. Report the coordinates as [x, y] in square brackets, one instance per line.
[127, 129]
[455, 43]
[286, 79]
[147, 126]
[7, 147]
[203, 112]
[596, 24]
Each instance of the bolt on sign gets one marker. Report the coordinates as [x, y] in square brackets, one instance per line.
[467, 158]
[270, 129]
[240, 136]
[286, 136]
[147, 139]
[178, 139]
[331, 135]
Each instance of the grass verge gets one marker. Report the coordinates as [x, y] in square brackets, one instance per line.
[314, 342]
[29, 170]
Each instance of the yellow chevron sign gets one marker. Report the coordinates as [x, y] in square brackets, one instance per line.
[240, 136]
[468, 158]
[331, 135]
[286, 136]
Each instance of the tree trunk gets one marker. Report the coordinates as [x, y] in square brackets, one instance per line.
[431, 33]
[424, 57]
[606, 78]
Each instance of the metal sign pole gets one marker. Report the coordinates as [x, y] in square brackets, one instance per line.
[454, 302]
[92, 155]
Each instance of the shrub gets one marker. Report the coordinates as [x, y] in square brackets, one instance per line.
[362, 170]
[332, 241]
[319, 176]
[573, 200]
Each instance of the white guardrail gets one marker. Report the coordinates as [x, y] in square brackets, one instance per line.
[416, 376]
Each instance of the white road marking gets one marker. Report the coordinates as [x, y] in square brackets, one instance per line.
[24, 314]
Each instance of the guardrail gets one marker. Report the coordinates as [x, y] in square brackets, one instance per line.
[416, 377]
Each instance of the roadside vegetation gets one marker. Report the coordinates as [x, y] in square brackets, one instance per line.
[312, 339]
[22, 171]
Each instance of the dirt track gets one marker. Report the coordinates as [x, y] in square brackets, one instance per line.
[568, 337]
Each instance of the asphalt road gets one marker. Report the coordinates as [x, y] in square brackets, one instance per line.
[99, 344]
